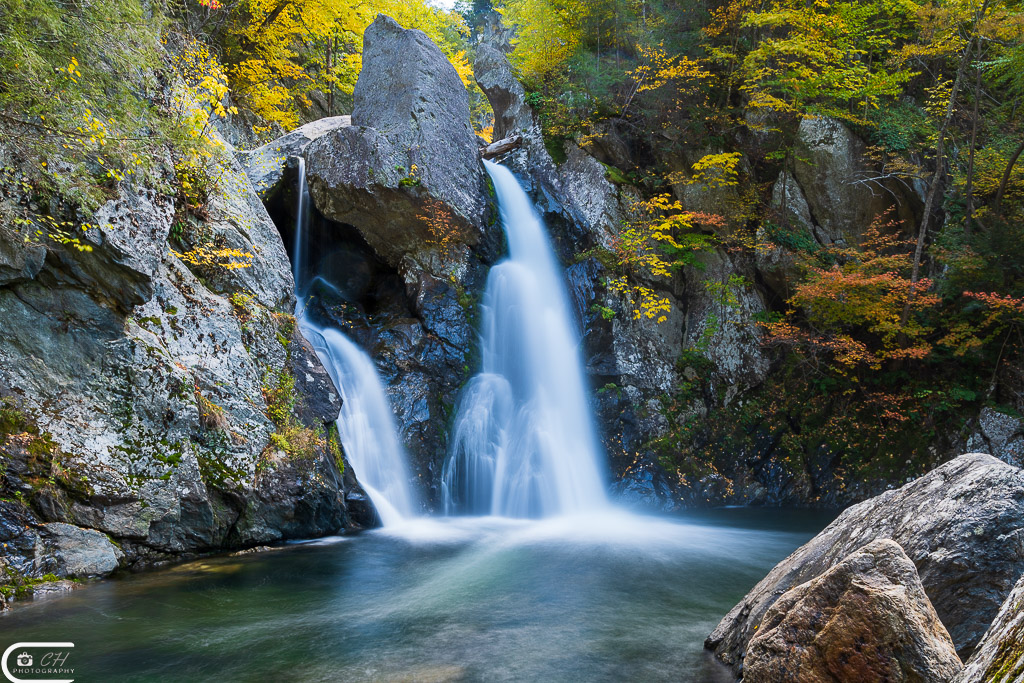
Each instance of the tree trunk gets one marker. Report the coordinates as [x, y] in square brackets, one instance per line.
[499, 147]
[330, 80]
[1006, 176]
[974, 139]
[936, 182]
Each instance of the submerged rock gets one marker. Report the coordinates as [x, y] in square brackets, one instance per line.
[1000, 655]
[865, 619]
[962, 525]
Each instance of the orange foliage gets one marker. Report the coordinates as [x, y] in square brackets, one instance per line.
[445, 232]
[852, 310]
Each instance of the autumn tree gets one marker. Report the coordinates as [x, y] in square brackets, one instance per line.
[282, 54]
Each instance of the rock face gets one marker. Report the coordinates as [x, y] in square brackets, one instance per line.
[265, 165]
[409, 156]
[865, 619]
[962, 525]
[1000, 435]
[137, 390]
[835, 179]
[1000, 655]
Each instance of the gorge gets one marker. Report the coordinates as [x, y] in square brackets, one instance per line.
[372, 407]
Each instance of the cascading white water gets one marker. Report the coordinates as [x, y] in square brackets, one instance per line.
[366, 425]
[523, 442]
[302, 215]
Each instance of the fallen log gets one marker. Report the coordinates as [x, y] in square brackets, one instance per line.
[499, 147]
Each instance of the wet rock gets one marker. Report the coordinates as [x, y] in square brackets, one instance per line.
[265, 165]
[644, 487]
[962, 525]
[320, 403]
[865, 619]
[18, 537]
[292, 498]
[1000, 655]
[53, 589]
[69, 550]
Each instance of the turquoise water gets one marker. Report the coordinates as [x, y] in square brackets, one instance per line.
[609, 598]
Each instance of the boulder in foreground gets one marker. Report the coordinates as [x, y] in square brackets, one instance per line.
[962, 525]
[1000, 655]
[865, 619]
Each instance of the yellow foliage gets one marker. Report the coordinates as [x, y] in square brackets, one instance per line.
[228, 259]
[546, 34]
[656, 240]
[716, 170]
[658, 68]
[279, 52]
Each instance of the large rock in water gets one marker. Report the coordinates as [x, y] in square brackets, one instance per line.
[962, 525]
[1000, 655]
[866, 619]
[409, 154]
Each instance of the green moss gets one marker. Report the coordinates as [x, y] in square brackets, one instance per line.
[334, 447]
[605, 257]
[13, 420]
[281, 399]
[14, 584]
[793, 237]
[555, 145]
[615, 175]
[1008, 664]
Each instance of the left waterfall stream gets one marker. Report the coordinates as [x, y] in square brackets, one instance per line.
[366, 425]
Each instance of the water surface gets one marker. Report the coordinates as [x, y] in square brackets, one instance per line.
[603, 598]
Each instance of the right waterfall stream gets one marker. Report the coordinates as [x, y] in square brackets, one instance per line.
[523, 442]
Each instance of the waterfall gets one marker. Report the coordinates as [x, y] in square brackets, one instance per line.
[523, 442]
[366, 425]
[302, 216]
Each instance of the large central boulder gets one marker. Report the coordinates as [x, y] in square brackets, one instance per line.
[408, 168]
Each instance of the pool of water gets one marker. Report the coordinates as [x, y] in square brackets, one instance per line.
[602, 598]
